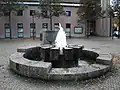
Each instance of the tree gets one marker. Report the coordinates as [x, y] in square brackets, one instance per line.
[10, 6]
[117, 10]
[90, 10]
[116, 21]
[51, 8]
[114, 11]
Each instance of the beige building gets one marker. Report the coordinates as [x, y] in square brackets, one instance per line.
[22, 25]
[103, 25]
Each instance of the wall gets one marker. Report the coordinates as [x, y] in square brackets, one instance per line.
[26, 19]
[103, 27]
[103, 24]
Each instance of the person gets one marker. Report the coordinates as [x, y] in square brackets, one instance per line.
[115, 32]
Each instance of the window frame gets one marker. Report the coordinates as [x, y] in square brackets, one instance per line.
[68, 28]
[20, 13]
[32, 12]
[44, 27]
[44, 13]
[19, 32]
[56, 25]
[68, 13]
[33, 26]
[6, 13]
[6, 32]
[68, 24]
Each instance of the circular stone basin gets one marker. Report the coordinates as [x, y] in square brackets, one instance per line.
[87, 64]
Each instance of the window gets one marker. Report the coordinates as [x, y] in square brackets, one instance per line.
[7, 30]
[20, 13]
[20, 30]
[56, 25]
[32, 28]
[44, 14]
[45, 25]
[6, 13]
[78, 30]
[32, 12]
[68, 13]
[68, 27]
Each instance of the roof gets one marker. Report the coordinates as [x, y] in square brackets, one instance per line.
[64, 1]
[64, 4]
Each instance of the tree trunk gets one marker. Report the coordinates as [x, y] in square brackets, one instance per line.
[86, 29]
[33, 28]
[50, 22]
[10, 24]
[111, 31]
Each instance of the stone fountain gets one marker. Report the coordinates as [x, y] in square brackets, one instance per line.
[60, 61]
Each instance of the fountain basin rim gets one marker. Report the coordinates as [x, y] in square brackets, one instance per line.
[45, 71]
[24, 48]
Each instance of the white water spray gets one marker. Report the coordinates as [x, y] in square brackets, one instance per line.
[60, 40]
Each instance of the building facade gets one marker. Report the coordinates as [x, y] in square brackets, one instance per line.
[104, 25]
[23, 24]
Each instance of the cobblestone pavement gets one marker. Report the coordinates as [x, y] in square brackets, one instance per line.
[12, 81]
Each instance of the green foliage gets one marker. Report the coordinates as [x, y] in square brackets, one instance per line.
[117, 8]
[111, 12]
[112, 9]
[51, 8]
[11, 5]
[116, 21]
[90, 10]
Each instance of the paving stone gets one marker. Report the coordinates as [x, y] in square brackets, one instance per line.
[83, 72]
[16, 82]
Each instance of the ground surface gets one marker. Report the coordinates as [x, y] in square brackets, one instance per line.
[11, 81]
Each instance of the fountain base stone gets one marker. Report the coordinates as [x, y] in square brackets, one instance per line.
[61, 67]
[69, 57]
